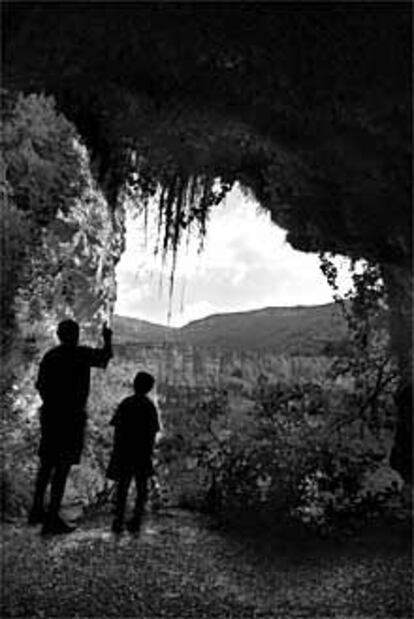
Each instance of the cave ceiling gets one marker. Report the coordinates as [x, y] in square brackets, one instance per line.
[308, 105]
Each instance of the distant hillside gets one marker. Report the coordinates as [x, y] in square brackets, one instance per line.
[297, 330]
[301, 330]
[132, 330]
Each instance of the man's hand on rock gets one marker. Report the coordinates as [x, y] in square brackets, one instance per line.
[106, 333]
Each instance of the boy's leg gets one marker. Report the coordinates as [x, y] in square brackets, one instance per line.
[141, 483]
[120, 501]
[37, 512]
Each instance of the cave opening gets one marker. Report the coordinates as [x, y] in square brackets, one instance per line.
[323, 140]
[243, 263]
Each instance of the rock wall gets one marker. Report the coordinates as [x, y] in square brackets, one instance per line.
[73, 273]
[59, 260]
[198, 366]
[66, 269]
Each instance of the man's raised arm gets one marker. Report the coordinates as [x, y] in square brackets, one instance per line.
[99, 357]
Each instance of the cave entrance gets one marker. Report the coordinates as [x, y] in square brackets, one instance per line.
[244, 263]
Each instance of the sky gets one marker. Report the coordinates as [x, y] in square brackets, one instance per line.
[245, 264]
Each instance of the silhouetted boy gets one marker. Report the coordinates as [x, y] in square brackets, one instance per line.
[136, 425]
[63, 383]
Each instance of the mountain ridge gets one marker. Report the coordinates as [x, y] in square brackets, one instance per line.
[300, 329]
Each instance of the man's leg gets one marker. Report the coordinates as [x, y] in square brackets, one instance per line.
[54, 524]
[37, 513]
[57, 489]
[120, 501]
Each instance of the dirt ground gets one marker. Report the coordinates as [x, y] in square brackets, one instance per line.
[184, 566]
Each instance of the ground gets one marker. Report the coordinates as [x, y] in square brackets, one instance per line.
[184, 566]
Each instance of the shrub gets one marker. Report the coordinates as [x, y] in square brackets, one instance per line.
[304, 455]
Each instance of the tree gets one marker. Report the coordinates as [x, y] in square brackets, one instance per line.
[374, 360]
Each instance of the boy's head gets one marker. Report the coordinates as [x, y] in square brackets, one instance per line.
[143, 382]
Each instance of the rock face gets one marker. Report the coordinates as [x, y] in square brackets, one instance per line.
[73, 272]
[63, 252]
[213, 367]
[66, 268]
[72, 275]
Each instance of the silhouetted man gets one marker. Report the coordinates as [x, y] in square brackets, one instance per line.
[63, 383]
[136, 425]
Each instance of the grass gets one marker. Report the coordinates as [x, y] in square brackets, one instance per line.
[182, 567]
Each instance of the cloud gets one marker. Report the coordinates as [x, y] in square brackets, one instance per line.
[246, 264]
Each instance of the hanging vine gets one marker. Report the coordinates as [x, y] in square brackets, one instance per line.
[184, 201]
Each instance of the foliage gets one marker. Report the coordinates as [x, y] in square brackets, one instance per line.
[379, 315]
[370, 361]
[14, 235]
[191, 441]
[72, 270]
[41, 163]
[304, 453]
[319, 471]
[19, 431]
[65, 221]
[41, 172]
[293, 450]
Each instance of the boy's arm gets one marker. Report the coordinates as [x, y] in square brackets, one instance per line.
[155, 422]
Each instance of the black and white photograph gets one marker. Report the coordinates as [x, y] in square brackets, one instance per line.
[206, 301]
